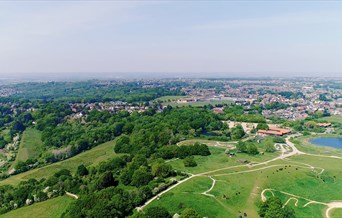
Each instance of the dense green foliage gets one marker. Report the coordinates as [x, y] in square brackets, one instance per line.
[189, 162]
[237, 113]
[292, 95]
[273, 207]
[93, 91]
[247, 147]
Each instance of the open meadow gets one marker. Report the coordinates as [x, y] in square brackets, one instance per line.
[197, 103]
[92, 157]
[223, 187]
[172, 101]
[30, 146]
[52, 208]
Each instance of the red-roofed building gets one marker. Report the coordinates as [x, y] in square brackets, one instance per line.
[274, 131]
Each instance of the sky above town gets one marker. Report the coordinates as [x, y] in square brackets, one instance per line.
[170, 38]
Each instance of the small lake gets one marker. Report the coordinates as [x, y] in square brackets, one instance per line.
[330, 142]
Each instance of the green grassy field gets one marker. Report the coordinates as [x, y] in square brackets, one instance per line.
[197, 104]
[30, 145]
[92, 157]
[171, 100]
[207, 142]
[52, 208]
[333, 119]
[336, 213]
[170, 97]
[239, 188]
[218, 160]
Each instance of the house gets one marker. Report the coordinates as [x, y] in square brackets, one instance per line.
[218, 110]
[274, 131]
[324, 124]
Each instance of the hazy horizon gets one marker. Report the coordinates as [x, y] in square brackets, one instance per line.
[116, 39]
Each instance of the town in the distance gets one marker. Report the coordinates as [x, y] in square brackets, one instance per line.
[185, 147]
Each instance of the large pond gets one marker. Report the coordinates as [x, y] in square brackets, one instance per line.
[330, 142]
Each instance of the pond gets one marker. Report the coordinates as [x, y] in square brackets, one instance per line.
[330, 142]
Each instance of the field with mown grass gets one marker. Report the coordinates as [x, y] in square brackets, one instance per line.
[91, 157]
[30, 146]
[52, 208]
[333, 119]
[238, 189]
[336, 213]
[198, 103]
[170, 98]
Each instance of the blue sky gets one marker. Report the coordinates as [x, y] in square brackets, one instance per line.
[177, 38]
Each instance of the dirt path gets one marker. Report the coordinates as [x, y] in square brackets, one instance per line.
[284, 155]
[332, 205]
[163, 192]
[326, 156]
[71, 195]
[263, 197]
[296, 200]
[258, 169]
[211, 188]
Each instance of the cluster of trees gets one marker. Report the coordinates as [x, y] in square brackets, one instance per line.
[94, 91]
[143, 171]
[323, 97]
[238, 113]
[273, 207]
[32, 190]
[262, 126]
[292, 95]
[166, 128]
[15, 122]
[113, 188]
[148, 130]
[22, 166]
[247, 147]
[63, 137]
[6, 115]
[159, 211]
[276, 106]
[237, 132]
[304, 125]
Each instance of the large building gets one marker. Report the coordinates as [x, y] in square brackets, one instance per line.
[274, 131]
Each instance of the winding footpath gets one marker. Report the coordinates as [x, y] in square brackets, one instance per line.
[285, 153]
